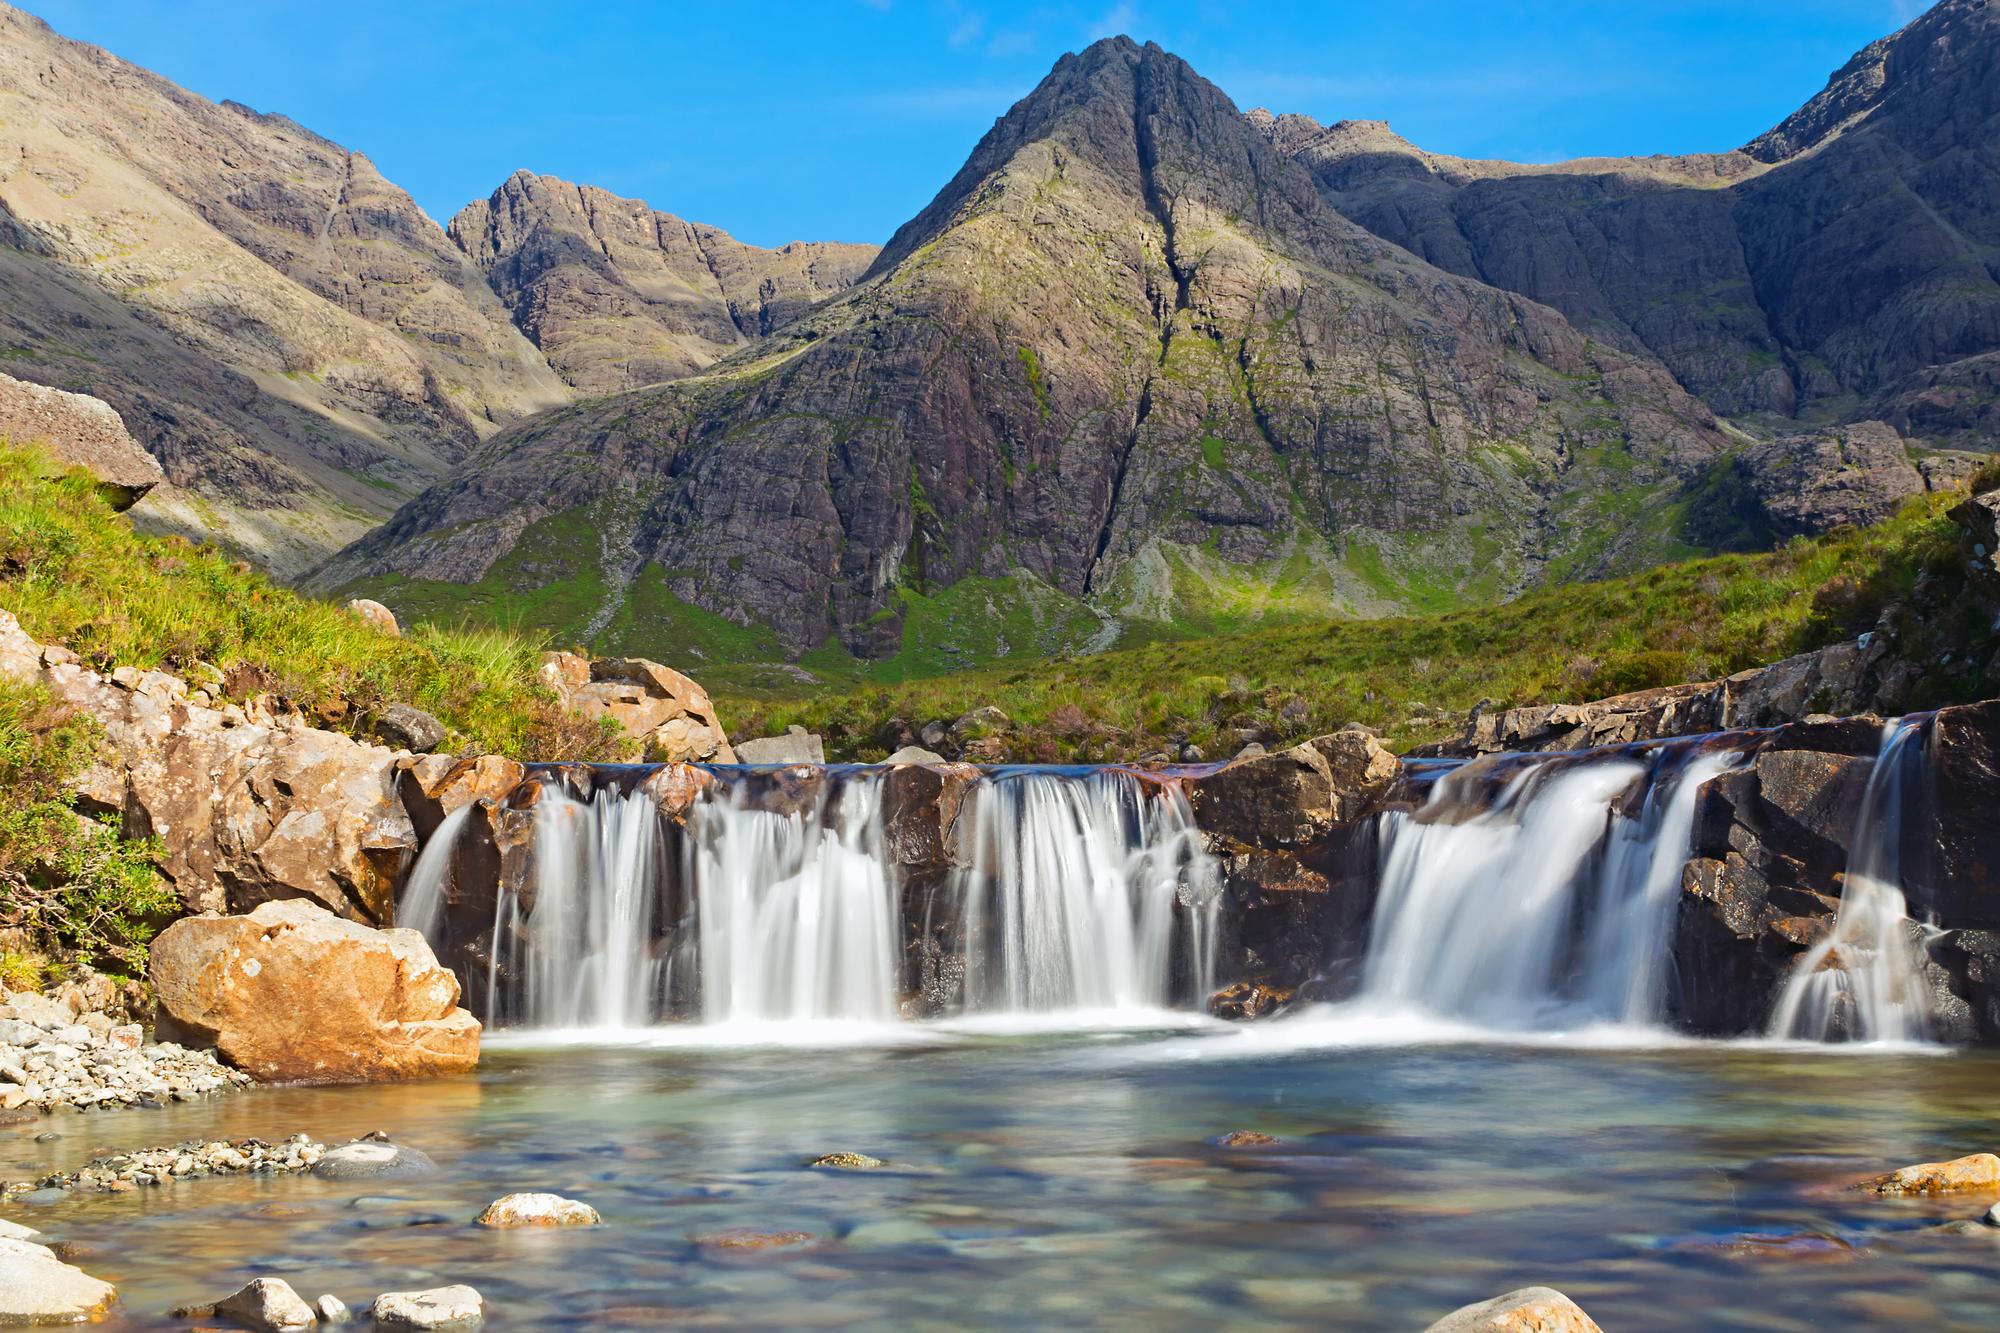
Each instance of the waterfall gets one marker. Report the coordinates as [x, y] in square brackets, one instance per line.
[1864, 981]
[421, 907]
[1553, 905]
[796, 913]
[1083, 893]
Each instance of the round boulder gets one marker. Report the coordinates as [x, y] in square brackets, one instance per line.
[373, 1159]
[454, 1307]
[537, 1210]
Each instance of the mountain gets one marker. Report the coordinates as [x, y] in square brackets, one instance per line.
[284, 329]
[1843, 267]
[617, 295]
[1128, 364]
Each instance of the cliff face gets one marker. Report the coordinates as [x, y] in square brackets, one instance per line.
[618, 296]
[285, 330]
[1128, 350]
[1838, 268]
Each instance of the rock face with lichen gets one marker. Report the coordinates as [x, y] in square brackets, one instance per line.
[76, 430]
[1127, 343]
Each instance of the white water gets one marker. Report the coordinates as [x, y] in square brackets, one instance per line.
[422, 905]
[1548, 909]
[1073, 892]
[1863, 982]
[796, 913]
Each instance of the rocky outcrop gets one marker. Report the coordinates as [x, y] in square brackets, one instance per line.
[667, 717]
[1127, 341]
[76, 430]
[249, 806]
[1846, 477]
[618, 295]
[1296, 797]
[376, 1003]
[1978, 519]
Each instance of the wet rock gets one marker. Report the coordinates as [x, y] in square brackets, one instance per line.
[1979, 1171]
[1296, 796]
[192, 1160]
[1249, 999]
[269, 1305]
[749, 1238]
[847, 1161]
[332, 1310]
[15, 1231]
[381, 1006]
[408, 728]
[537, 1210]
[454, 1307]
[796, 746]
[373, 1159]
[1529, 1310]
[38, 1288]
[376, 614]
[1243, 1138]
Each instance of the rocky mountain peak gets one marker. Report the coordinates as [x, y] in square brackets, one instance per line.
[1944, 54]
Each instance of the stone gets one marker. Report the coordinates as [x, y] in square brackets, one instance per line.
[1978, 1171]
[1249, 999]
[914, 754]
[1295, 797]
[750, 1238]
[38, 1288]
[847, 1161]
[796, 746]
[1529, 1310]
[76, 430]
[332, 1310]
[1979, 521]
[537, 1210]
[373, 1159]
[1244, 1138]
[269, 1305]
[15, 1231]
[192, 1160]
[454, 1307]
[375, 614]
[666, 715]
[409, 728]
[381, 1006]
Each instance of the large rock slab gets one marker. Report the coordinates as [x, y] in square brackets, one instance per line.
[76, 430]
[1294, 797]
[292, 993]
[38, 1289]
[248, 809]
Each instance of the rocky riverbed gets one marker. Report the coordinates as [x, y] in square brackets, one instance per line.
[52, 1059]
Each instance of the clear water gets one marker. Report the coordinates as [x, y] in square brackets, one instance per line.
[1053, 1180]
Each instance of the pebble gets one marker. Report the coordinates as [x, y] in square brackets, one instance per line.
[268, 1305]
[441, 1307]
[122, 1172]
[373, 1159]
[52, 1061]
[847, 1161]
[537, 1210]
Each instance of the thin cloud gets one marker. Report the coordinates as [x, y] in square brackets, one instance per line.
[1118, 19]
[967, 32]
[943, 99]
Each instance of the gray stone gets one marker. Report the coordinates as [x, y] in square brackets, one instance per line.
[452, 1307]
[915, 754]
[373, 1160]
[409, 728]
[332, 1310]
[796, 746]
[76, 430]
[269, 1305]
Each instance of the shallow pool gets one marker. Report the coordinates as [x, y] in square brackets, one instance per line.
[1067, 1179]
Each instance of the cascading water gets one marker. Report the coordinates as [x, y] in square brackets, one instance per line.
[422, 904]
[1077, 892]
[796, 913]
[1864, 982]
[1551, 906]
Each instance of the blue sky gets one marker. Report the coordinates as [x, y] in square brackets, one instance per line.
[838, 120]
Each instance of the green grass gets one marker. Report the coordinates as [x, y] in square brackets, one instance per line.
[77, 574]
[1416, 677]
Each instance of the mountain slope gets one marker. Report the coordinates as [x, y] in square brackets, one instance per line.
[291, 336]
[1127, 363]
[1843, 266]
[617, 295]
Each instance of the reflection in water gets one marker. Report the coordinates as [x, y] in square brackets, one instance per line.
[1070, 1182]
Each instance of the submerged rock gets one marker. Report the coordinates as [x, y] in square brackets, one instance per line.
[452, 1307]
[1244, 1138]
[269, 1305]
[1978, 1171]
[537, 1210]
[749, 1238]
[373, 1159]
[1529, 1310]
[38, 1288]
[847, 1161]
[380, 1006]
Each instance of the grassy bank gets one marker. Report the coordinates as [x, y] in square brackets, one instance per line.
[77, 574]
[1416, 677]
